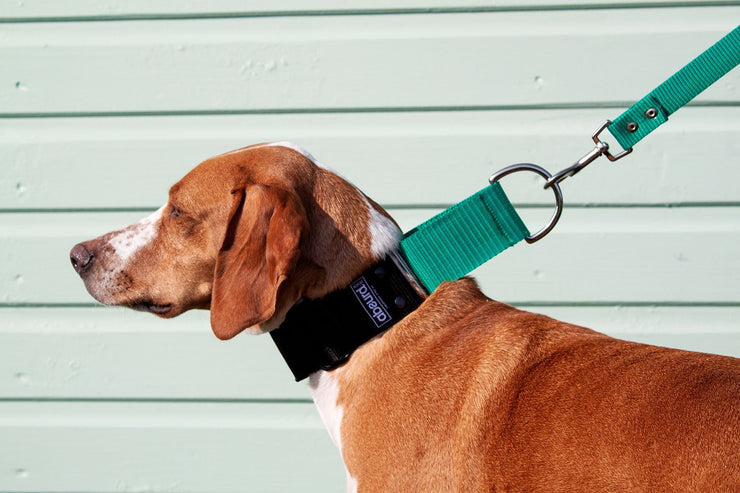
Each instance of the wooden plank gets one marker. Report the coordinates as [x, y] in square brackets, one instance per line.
[101, 161]
[654, 255]
[635, 255]
[335, 62]
[35, 9]
[104, 353]
[113, 447]
[117, 353]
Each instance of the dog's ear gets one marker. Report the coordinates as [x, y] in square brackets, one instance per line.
[260, 249]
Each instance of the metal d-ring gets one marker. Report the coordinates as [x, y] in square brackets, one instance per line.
[552, 184]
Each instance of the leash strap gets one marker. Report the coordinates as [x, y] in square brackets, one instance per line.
[459, 239]
[466, 235]
[642, 117]
[653, 110]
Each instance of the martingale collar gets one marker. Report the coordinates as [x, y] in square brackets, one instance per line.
[322, 334]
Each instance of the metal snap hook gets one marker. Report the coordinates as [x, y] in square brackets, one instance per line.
[554, 185]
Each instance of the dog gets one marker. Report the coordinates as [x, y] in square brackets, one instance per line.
[464, 394]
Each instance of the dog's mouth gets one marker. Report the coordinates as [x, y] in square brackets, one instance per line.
[157, 309]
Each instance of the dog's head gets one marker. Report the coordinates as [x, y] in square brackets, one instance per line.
[246, 234]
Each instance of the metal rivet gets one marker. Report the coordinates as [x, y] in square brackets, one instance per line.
[651, 113]
[632, 127]
[399, 302]
[380, 272]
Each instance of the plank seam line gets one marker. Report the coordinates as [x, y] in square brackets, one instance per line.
[366, 12]
[573, 304]
[630, 304]
[346, 110]
[397, 207]
[164, 400]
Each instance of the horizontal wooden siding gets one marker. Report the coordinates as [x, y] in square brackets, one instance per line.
[104, 104]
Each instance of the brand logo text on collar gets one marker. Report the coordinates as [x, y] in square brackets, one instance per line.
[370, 301]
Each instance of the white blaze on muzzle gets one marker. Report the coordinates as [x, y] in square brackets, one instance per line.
[131, 239]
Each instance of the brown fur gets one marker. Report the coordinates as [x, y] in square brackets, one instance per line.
[465, 394]
[468, 394]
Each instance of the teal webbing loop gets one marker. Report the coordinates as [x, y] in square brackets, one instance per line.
[459, 239]
[653, 110]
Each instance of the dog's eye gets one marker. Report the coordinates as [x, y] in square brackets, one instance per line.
[175, 213]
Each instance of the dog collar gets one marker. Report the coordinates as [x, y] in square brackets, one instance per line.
[322, 334]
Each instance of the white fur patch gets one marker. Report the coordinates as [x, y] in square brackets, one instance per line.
[325, 391]
[351, 484]
[295, 147]
[384, 234]
[282, 143]
[129, 240]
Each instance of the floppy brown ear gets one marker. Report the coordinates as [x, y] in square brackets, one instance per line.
[259, 251]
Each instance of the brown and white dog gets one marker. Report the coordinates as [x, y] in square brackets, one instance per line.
[465, 394]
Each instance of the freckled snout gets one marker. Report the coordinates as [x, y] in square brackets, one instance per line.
[81, 257]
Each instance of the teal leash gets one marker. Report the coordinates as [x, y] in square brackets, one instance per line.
[468, 234]
[653, 110]
[461, 238]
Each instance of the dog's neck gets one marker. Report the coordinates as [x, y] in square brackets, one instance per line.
[356, 232]
[349, 233]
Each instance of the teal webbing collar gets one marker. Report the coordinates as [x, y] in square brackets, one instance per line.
[461, 238]
[653, 110]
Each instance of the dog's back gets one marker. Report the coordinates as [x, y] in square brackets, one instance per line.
[481, 396]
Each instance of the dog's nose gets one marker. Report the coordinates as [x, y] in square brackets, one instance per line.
[81, 258]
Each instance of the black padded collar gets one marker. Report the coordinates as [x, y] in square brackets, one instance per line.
[322, 334]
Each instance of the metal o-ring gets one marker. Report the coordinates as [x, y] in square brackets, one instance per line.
[651, 113]
[632, 127]
[554, 186]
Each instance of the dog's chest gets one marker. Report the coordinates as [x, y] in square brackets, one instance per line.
[325, 391]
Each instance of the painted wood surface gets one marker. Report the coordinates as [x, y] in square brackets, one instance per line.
[112, 354]
[29, 10]
[132, 161]
[165, 446]
[105, 104]
[685, 255]
[496, 59]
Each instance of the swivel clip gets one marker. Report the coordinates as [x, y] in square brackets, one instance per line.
[553, 181]
[601, 149]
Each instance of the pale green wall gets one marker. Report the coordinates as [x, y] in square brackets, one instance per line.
[104, 104]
